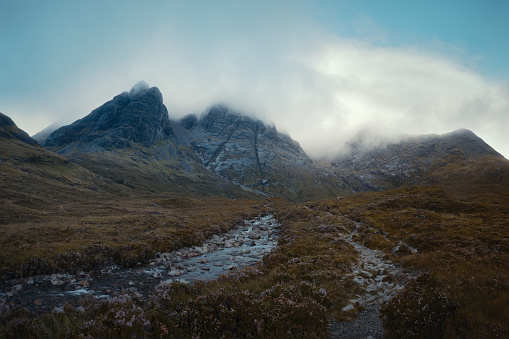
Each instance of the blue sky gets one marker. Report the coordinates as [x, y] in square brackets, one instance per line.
[319, 70]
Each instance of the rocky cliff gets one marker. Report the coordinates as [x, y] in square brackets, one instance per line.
[138, 116]
[131, 140]
[252, 154]
[412, 160]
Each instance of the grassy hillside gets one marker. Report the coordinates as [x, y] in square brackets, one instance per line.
[463, 254]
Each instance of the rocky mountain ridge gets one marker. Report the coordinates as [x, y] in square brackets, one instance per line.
[409, 161]
[132, 141]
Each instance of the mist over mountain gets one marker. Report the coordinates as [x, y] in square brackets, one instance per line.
[137, 116]
[131, 140]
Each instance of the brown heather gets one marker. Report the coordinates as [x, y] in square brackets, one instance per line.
[71, 219]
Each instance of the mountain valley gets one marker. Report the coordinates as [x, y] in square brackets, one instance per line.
[126, 183]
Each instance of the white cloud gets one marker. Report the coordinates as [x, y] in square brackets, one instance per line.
[318, 87]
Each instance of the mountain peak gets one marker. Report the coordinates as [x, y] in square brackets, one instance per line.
[139, 88]
[137, 116]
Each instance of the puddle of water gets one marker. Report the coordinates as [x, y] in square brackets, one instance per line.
[237, 248]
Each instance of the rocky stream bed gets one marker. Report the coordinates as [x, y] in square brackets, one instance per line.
[239, 247]
[381, 280]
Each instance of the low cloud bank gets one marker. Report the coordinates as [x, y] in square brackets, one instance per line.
[316, 86]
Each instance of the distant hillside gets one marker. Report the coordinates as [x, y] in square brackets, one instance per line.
[34, 180]
[41, 136]
[132, 141]
[9, 131]
[460, 161]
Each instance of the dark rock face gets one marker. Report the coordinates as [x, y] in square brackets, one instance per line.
[408, 161]
[138, 116]
[9, 130]
[248, 152]
[224, 149]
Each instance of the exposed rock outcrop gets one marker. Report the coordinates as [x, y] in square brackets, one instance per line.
[138, 116]
[409, 161]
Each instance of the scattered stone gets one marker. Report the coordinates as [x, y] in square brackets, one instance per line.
[174, 273]
[16, 289]
[348, 308]
[55, 280]
[254, 235]
[132, 283]
[59, 309]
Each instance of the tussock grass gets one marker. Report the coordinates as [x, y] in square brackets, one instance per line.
[293, 292]
[463, 249]
[123, 231]
[462, 252]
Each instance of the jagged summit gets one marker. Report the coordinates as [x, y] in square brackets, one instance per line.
[222, 149]
[139, 89]
[137, 116]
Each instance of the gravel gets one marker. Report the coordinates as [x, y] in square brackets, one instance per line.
[367, 325]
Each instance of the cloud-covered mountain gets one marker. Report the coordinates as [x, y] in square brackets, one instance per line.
[132, 141]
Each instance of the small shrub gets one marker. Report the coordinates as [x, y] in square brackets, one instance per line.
[419, 312]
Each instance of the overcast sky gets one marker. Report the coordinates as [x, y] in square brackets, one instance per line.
[318, 70]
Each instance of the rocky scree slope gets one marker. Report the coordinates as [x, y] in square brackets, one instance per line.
[250, 153]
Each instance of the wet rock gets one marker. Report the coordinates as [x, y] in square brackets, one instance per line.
[254, 235]
[348, 308]
[59, 309]
[16, 289]
[132, 283]
[174, 273]
[30, 281]
[55, 280]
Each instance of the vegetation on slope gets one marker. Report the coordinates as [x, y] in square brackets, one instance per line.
[463, 253]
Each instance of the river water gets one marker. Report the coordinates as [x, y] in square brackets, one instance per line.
[239, 247]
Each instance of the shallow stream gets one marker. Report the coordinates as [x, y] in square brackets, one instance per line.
[239, 247]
